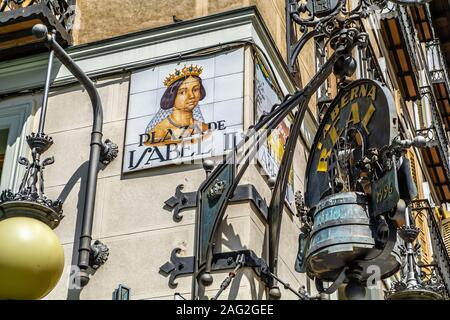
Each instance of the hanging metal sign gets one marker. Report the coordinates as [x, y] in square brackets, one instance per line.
[361, 118]
[351, 175]
[385, 192]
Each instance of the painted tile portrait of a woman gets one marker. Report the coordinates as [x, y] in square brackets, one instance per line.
[179, 118]
[184, 110]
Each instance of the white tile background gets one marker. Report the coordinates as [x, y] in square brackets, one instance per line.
[144, 80]
[229, 87]
[143, 103]
[231, 110]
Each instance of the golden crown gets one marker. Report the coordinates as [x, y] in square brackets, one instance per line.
[183, 73]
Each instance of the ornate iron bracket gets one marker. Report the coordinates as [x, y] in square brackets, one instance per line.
[109, 152]
[181, 201]
[99, 254]
[188, 200]
[178, 266]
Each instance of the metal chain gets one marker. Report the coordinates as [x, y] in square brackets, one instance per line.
[239, 264]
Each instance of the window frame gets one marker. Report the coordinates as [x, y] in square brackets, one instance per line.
[15, 115]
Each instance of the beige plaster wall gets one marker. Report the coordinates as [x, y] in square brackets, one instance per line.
[102, 19]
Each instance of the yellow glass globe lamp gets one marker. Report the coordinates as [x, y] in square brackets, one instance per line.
[31, 259]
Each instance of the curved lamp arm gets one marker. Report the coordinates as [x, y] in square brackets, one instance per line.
[99, 151]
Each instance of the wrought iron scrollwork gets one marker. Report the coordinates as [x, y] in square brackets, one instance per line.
[325, 17]
[317, 18]
[63, 10]
[31, 188]
[422, 281]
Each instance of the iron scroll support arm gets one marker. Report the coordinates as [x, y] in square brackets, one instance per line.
[99, 152]
[234, 169]
[294, 46]
[352, 39]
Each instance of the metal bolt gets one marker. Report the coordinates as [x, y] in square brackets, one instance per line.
[206, 279]
[208, 166]
[271, 182]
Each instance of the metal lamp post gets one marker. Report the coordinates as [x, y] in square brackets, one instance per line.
[412, 285]
[39, 212]
[30, 200]
[90, 254]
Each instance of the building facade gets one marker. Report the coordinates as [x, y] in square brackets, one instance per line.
[236, 53]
